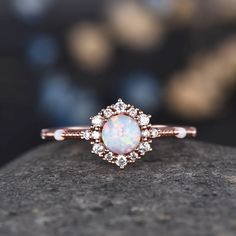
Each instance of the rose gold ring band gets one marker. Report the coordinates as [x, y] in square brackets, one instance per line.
[120, 133]
[79, 132]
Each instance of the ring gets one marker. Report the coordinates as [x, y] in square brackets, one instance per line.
[120, 133]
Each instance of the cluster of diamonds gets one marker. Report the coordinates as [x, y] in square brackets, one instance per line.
[95, 133]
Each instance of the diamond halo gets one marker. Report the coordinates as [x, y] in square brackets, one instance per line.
[120, 134]
[98, 122]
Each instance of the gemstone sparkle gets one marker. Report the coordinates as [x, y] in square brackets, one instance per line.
[121, 134]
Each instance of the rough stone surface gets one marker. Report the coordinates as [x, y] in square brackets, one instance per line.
[181, 188]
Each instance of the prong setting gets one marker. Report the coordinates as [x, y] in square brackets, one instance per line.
[95, 134]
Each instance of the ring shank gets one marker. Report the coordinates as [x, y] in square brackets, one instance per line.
[77, 132]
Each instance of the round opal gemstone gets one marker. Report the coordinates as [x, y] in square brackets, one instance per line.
[121, 134]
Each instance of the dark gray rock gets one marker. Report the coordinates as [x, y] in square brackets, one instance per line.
[181, 188]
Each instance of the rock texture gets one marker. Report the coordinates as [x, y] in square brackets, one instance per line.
[181, 188]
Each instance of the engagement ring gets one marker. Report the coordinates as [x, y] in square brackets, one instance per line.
[120, 133]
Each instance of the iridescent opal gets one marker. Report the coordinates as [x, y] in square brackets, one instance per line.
[121, 134]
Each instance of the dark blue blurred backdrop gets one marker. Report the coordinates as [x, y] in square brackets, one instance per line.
[62, 61]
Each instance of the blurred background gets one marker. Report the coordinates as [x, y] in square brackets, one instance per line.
[62, 61]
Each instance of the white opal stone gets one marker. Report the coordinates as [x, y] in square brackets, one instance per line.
[58, 135]
[121, 134]
[181, 132]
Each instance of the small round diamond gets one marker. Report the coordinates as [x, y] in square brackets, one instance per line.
[121, 161]
[134, 156]
[98, 148]
[120, 106]
[58, 135]
[144, 119]
[109, 156]
[86, 135]
[145, 133]
[95, 135]
[108, 113]
[133, 112]
[144, 147]
[97, 120]
[154, 133]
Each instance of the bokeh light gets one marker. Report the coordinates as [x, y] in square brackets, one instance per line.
[31, 10]
[134, 25]
[42, 50]
[202, 88]
[63, 102]
[193, 99]
[110, 49]
[224, 11]
[89, 45]
[143, 90]
[183, 11]
[162, 7]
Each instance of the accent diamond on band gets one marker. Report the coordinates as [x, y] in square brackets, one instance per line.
[120, 133]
